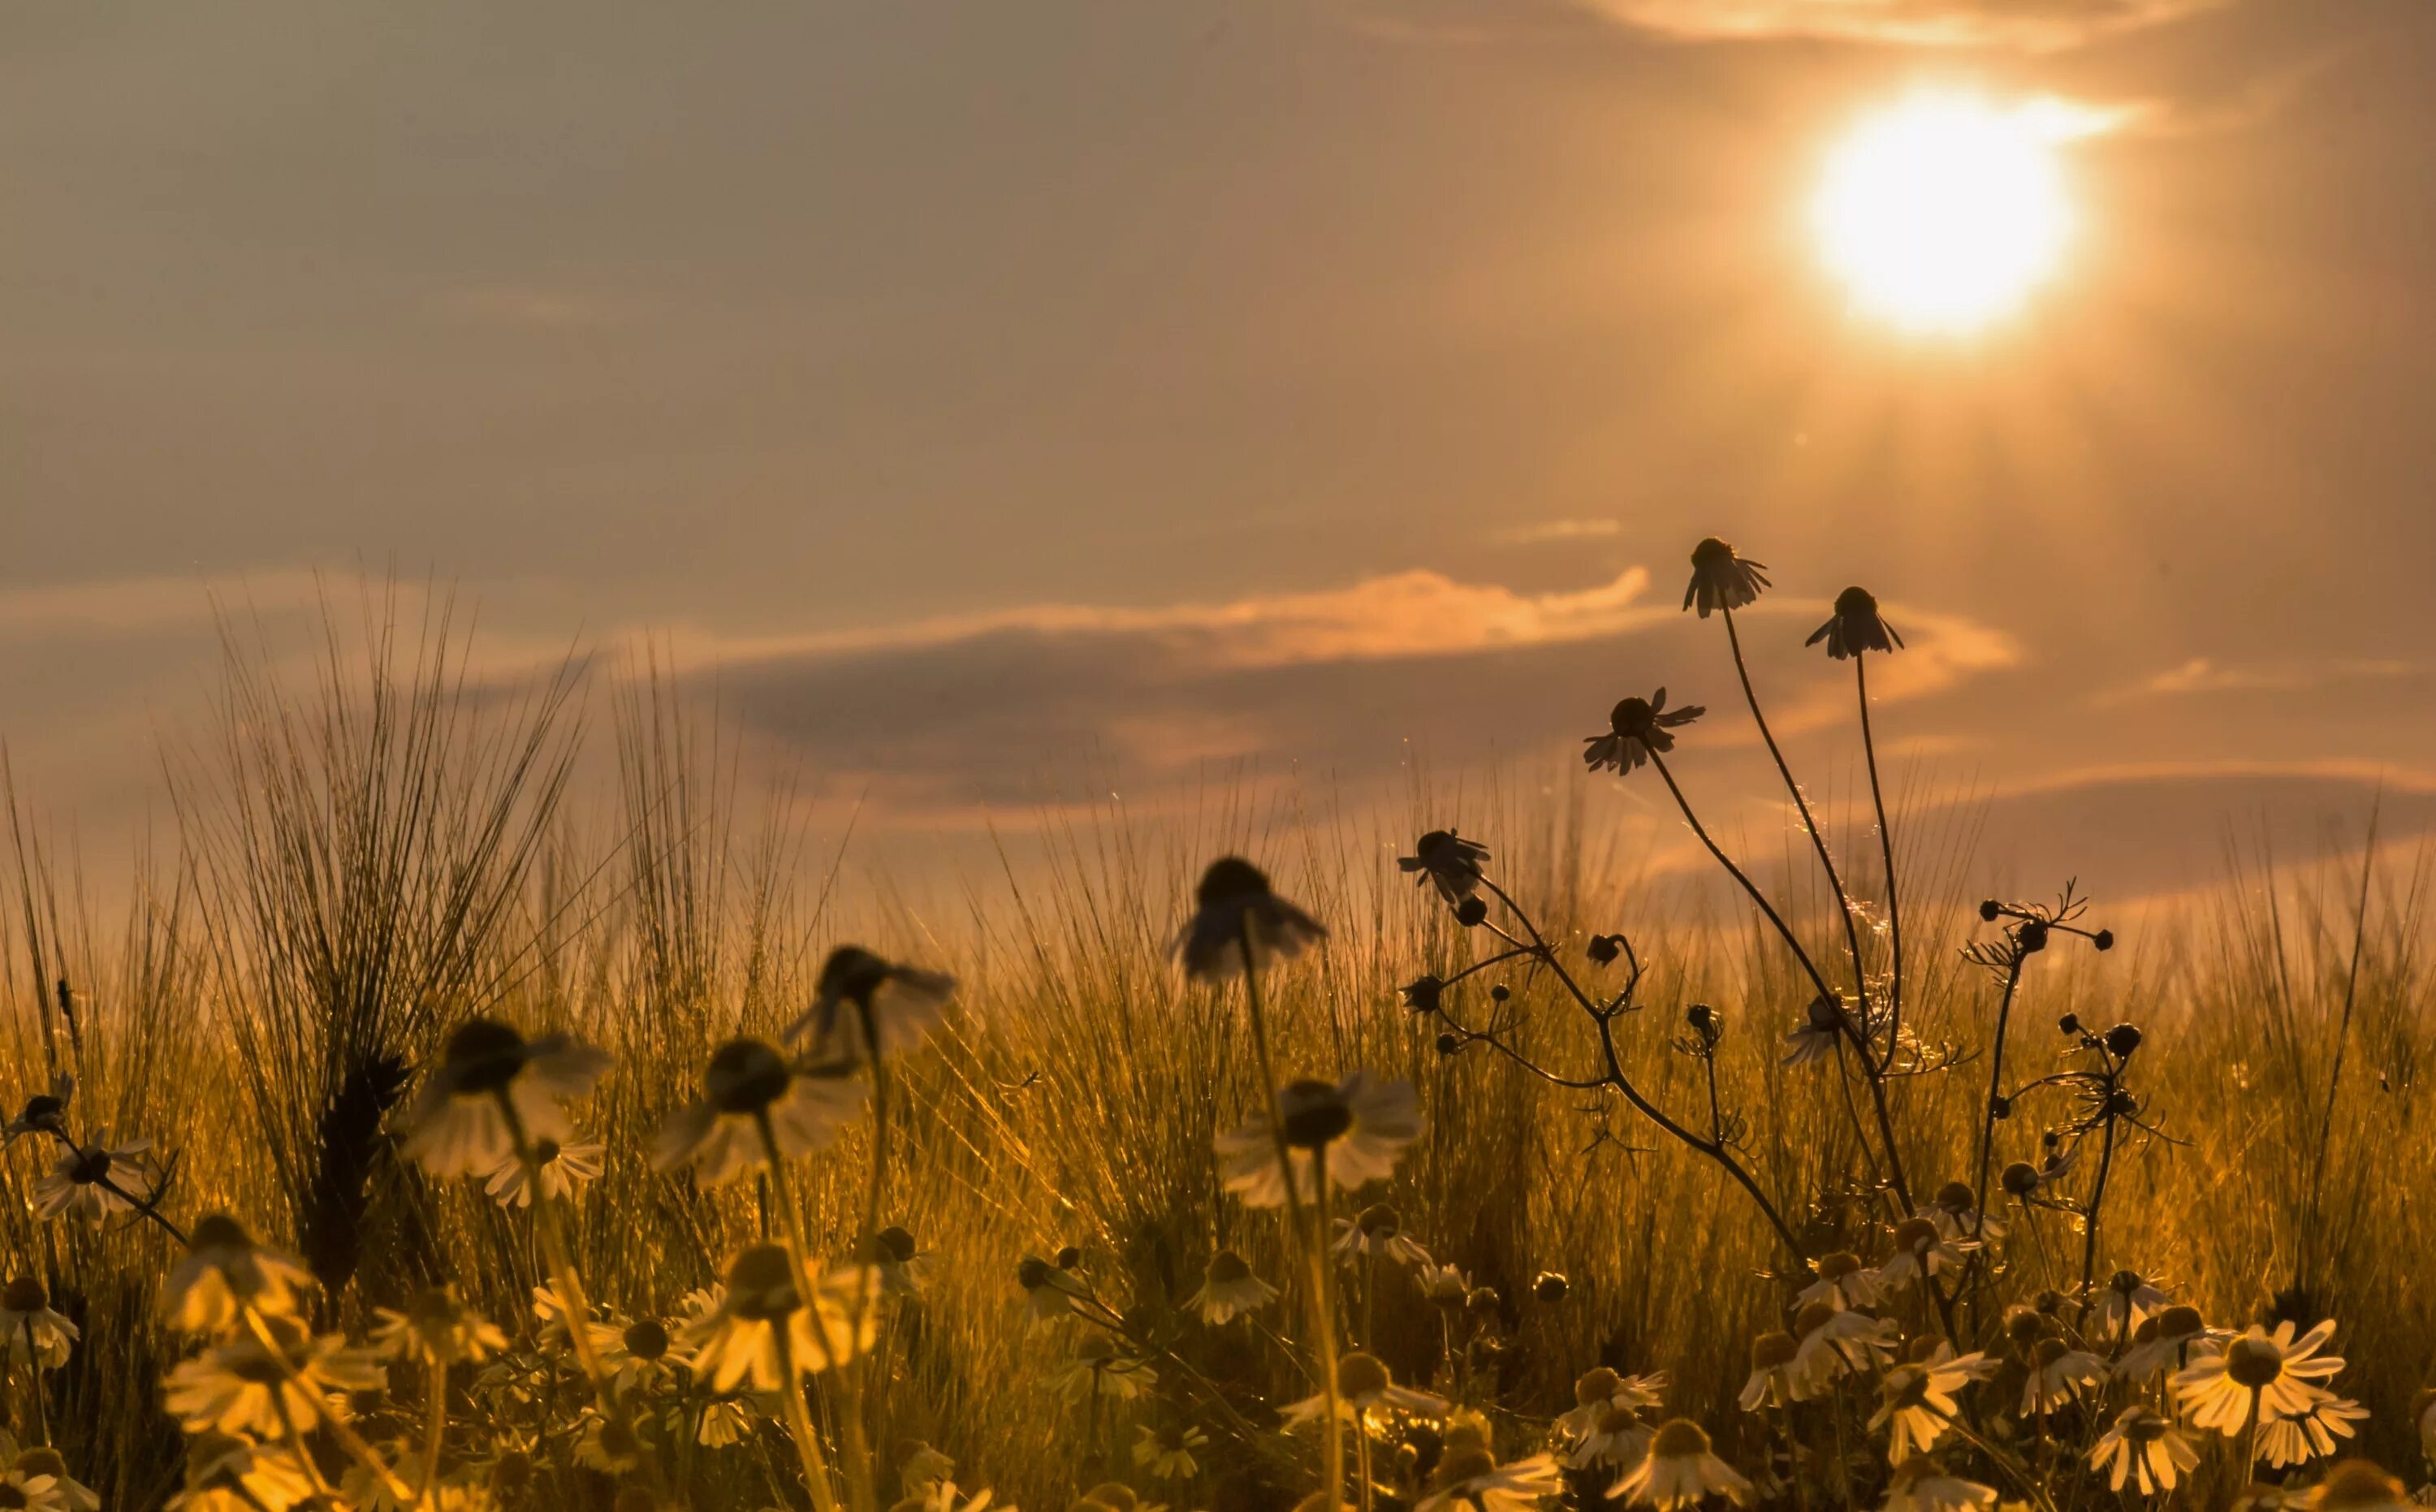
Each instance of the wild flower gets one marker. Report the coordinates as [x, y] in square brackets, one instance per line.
[895, 1007]
[1842, 1282]
[1363, 1384]
[2167, 1342]
[19, 1489]
[606, 1444]
[436, 1329]
[1099, 1368]
[2259, 1376]
[550, 1311]
[2359, 1486]
[1637, 728]
[1377, 1232]
[1855, 627]
[1601, 1389]
[2143, 1447]
[2128, 1300]
[944, 1497]
[1229, 1289]
[269, 1385]
[1616, 1441]
[228, 1473]
[1922, 1486]
[723, 1421]
[1921, 1249]
[566, 1171]
[98, 1180]
[1167, 1454]
[755, 1108]
[1820, 1031]
[1772, 1381]
[1679, 1470]
[1236, 913]
[2313, 1433]
[640, 1355]
[2057, 1374]
[66, 1491]
[225, 1271]
[43, 1112]
[764, 1330]
[1448, 861]
[493, 1089]
[1831, 1343]
[1049, 1291]
[1721, 580]
[1955, 1213]
[900, 1262]
[1468, 1476]
[1917, 1404]
[1353, 1130]
[35, 1333]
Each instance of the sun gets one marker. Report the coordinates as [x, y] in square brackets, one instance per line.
[1943, 212]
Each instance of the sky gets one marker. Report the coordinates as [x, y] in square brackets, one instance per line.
[996, 406]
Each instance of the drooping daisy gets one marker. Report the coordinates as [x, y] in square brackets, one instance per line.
[1356, 1128]
[436, 1329]
[1772, 1382]
[2059, 1374]
[98, 1180]
[490, 1085]
[1916, 1405]
[1615, 1442]
[1922, 1486]
[1444, 1286]
[901, 1263]
[34, 1332]
[1378, 1232]
[1637, 729]
[1364, 1385]
[566, 1171]
[1955, 1213]
[723, 1421]
[2128, 1300]
[764, 1330]
[1843, 1282]
[1600, 1389]
[240, 1387]
[225, 1473]
[2261, 1374]
[2167, 1342]
[754, 1101]
[1101, 1369]
[1830, 1344]
[2145, 1448]
[1447, 861]
[1469, 1477]
[1816, 1037]
[2361, 1485]
[1229, 1289]
[43, 1112]
[1235, 911]
[66, 1491]
[1921, 1250]
[1166, 1454]
[894, 1008]
[224, 1270]
[1855, 627]
[1679, 1470]
[2295, 1438]
[1721, 580]
[1049, 1291]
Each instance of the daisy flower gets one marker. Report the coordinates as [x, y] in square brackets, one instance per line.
[1922, 1486]
[763, 1330]
[1815, 1037]
[1166, 1454]
[1376, 1232]
[1099, 1369]
[723, 1421]
[550, 1311]
[1363, 1386]
[1356, 1128]
[66, 1491]
[43, 1112]
[1229, 1289]
[1843, 1282]
[942, 1497]
[2058, 1375]
[1447, 861]
[919, 1466]
[2296, 1438]
[2359, 1486]
[1772, 1382]
[1679, 1470]
[1637, 728]
[1855, 627]
[492, 1088]
[1921, 1249]
[1916, 1404]
[225, 1473]
[1831, 1343]
[1236, 912]
[1444, 1285]
[224, 1271]
[752, 1101]
[640, 1355]
[240, 1387]
[566, 1171]
[1468, 1477]
[1048, 1291]
[2143, 1448]
[2260, 1374]
[895, 1007]
[98, 1180]
[1600, 1389]
[1955, 1213]
[436, 1329]
[900, 1262]
[605, 1444]
[33, 1330]
[20, 1490]
[1616, 1441]
[1721, 580]
[2129, 1300]
[2166, 1342]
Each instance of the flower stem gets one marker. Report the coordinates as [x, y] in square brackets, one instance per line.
[791, 1228]
[34, 1383]
[1887, 851]
[799, 1425]
[434, 1432]
[1324, 1321]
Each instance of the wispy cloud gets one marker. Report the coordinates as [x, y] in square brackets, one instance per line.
[1542, 532]
[2203, 675]
[2036, 26]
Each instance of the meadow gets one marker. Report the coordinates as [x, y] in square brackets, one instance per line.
[1637, 1200]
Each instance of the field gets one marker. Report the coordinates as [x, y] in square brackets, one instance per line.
[355, 867]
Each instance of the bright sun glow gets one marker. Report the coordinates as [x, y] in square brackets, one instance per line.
[1944, 211]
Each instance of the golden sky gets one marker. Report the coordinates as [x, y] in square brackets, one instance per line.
[998, 400]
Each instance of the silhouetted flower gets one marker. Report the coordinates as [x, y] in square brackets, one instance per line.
[223, 1270]
[895, 1007]
[1049, 1291]
[1637, 728]
[1234, 913]
[1855, 627]
[488, 1075]
[752, 1099]
[1360, 1126]
[45, 1112]
[1721, 580]
[1447, 860]
[1422, 994]
[98, 1180]
[1822, 1026]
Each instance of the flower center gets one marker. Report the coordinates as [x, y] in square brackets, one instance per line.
[2254, 1362]
[744, 1076]
[1315, 1113]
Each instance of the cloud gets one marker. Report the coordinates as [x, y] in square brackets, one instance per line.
[1544, 532]
[2037, 26]
[2203, 675]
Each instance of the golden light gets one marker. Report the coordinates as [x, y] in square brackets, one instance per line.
[1944, 211]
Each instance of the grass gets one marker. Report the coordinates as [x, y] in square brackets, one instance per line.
[362, 860]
